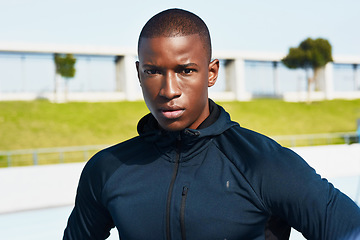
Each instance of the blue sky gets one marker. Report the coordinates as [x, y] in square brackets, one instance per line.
[266, 26]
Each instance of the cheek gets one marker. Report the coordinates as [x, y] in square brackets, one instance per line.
[148, 98]
[149, 89]
[197, 88]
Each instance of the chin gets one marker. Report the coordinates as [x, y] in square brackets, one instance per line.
[172, 127]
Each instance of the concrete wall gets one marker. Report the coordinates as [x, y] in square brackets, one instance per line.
[127, 83]
[25, 188]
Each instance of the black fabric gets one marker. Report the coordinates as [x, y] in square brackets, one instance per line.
[277, 229]
[214, 115]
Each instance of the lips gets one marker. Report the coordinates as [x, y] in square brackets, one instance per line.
[171, 113]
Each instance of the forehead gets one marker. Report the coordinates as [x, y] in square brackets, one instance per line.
[171, 48]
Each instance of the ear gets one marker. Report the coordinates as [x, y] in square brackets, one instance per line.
[213, 72]
[137, 69]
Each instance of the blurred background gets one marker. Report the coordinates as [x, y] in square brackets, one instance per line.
[50, 125]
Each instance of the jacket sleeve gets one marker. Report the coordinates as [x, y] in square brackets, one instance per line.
[89, 218]
[293, 191]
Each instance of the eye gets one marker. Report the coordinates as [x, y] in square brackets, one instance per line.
[151, 71]
[187, 71]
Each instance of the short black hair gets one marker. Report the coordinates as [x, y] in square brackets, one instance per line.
[176, 23]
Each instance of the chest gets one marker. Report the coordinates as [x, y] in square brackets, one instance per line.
[203, 199]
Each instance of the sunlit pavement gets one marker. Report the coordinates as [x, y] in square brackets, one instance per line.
[42, 224]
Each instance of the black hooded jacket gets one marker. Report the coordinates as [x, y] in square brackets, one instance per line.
[220, 181]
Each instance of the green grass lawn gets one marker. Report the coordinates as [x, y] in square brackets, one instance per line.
[40, 124]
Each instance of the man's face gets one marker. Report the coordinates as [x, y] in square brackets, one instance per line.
[174, 74]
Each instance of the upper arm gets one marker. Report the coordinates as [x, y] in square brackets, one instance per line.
[89, 219]
[312, 205]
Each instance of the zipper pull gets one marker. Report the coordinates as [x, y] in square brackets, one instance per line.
[182, 212]
[185, 190]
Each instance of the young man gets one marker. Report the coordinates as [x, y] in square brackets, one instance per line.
[192, 173]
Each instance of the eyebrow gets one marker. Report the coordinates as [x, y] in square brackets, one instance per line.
[188, 65]
[178, 66]
[150, 66]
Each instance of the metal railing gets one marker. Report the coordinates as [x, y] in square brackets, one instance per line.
[44, 156]
[317, 139]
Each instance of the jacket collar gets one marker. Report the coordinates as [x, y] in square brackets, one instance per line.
[189, 141]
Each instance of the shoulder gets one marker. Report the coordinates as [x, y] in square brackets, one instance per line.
[247, 143]
[104, 163]
[113, 155]
[118, 154]
[269, 167]
[259, 152]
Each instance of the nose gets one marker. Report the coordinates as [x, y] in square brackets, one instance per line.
[170, 87]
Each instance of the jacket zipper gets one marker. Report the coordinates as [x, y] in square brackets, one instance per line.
[182, 212]
[168, 203]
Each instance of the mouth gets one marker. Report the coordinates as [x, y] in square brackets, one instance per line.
[171, 113]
